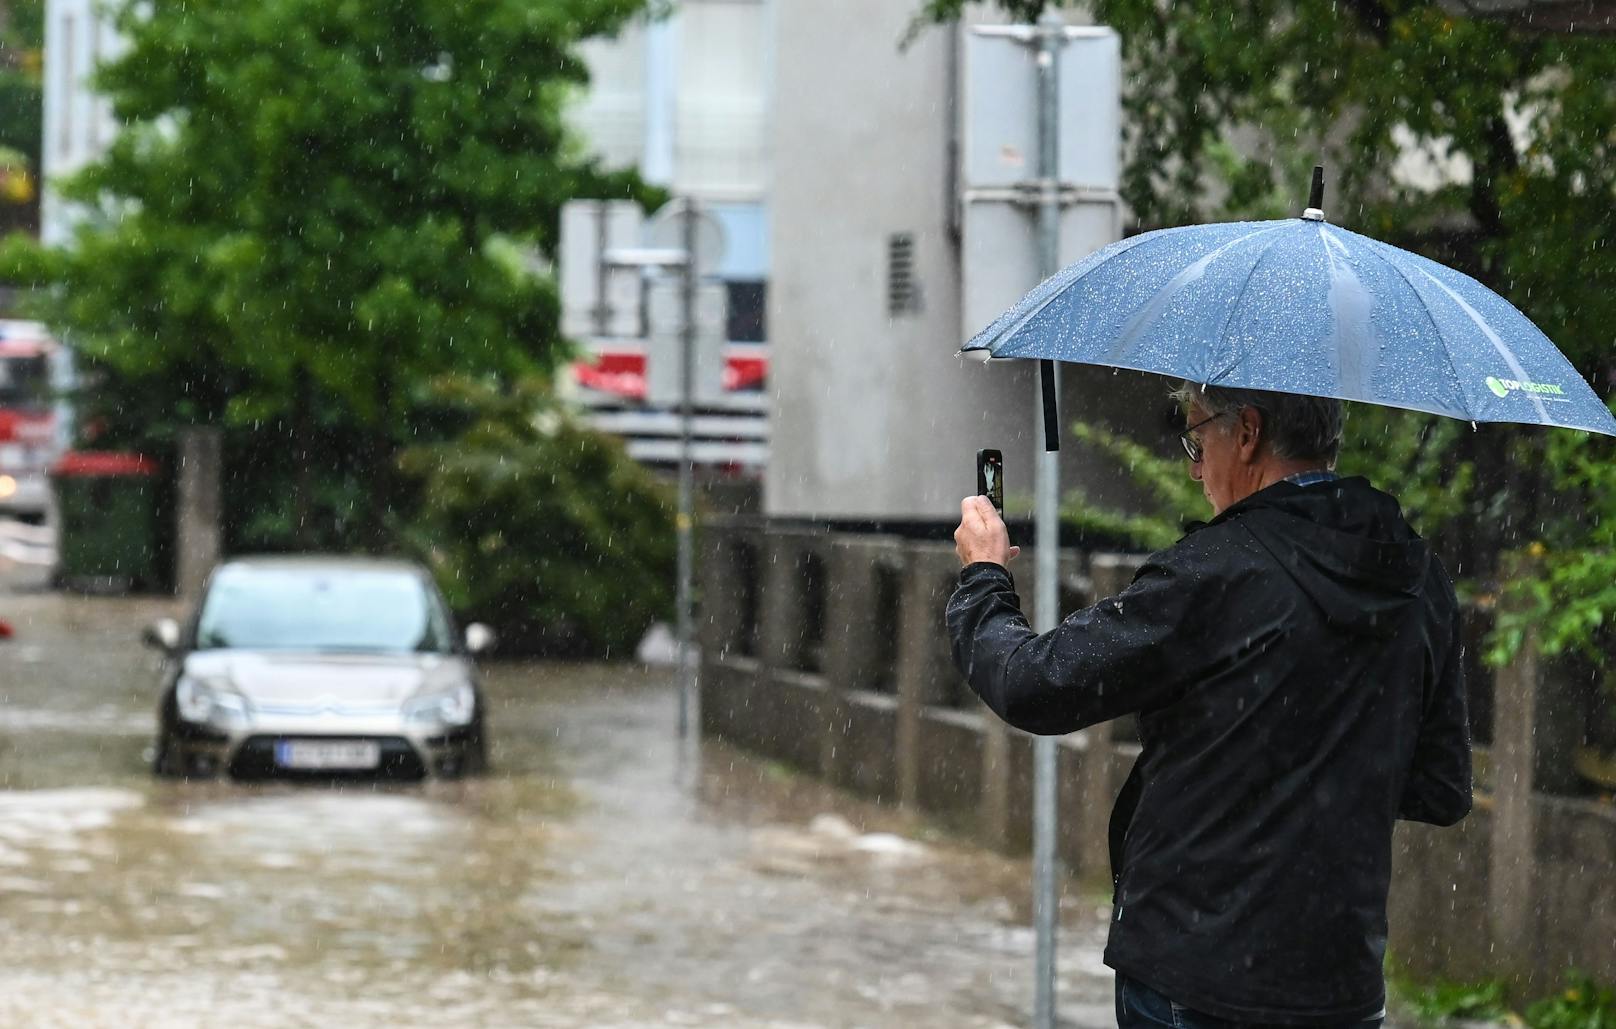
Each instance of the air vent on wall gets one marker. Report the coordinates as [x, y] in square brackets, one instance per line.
[903, 290]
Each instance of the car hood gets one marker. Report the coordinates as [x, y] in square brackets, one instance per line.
[329, 681]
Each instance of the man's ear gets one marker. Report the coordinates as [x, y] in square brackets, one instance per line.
[1250, 433]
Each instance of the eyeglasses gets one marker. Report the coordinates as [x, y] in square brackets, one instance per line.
[1192, 444]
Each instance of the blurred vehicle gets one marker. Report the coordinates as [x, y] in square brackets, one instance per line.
[319, 666]
[29, 442]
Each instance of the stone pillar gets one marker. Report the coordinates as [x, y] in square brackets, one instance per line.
[1518, 716]
[848, 583]
[198, 510]
[1512, 866]
[781, 623]
[719, 574]
[1104, 767]
[920, 623]
[850, 610]
[998, 750]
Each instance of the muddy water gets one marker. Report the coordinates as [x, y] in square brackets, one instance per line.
[602, 875]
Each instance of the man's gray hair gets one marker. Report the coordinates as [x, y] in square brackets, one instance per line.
[1297, 427]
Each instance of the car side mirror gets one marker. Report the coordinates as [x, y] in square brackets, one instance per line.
[5, 630]
[479, 638]
[163, 634]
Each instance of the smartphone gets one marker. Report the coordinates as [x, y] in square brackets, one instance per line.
[990, 477]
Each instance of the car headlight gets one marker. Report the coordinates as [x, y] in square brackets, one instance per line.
[202, 702]
[449, 707]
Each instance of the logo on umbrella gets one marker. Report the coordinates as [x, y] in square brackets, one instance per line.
[1504, 387]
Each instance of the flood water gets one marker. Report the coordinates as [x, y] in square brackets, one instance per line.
[601, 875]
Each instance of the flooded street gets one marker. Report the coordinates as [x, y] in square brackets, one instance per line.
[601, 875]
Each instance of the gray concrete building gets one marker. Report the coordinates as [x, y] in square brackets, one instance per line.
[874, 418]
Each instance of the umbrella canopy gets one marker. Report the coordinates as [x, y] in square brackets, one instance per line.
[1301, 306]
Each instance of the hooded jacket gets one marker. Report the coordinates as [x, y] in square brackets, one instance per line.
[1295, 666]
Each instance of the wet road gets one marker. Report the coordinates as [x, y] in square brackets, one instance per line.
[602, 875]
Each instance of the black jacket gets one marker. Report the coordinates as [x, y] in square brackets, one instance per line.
[1295, 666]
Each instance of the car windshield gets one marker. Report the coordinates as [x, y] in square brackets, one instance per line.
[322, 609]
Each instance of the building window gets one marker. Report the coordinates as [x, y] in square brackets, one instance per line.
[721, 117]
[903, 290]
[748, 311]
[67, 88]
[611, 114]
[100, 113]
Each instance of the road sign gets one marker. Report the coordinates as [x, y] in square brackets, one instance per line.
[998, 265]
[666, 230]
[665, 315]
[599, 299]
[1000, 116]
[999, 160]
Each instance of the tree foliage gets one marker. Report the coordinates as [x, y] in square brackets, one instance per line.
[314, 207]
[22, 38]
[1480, 143]
[1414, 452]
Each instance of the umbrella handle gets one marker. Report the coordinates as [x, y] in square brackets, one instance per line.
[1046, 373]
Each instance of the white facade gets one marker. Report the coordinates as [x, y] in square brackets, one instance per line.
[685, 99]
[78, 123]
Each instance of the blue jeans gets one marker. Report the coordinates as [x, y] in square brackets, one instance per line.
[1140, 1007]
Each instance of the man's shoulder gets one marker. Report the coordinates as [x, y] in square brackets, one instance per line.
[1220, 536]
[1206, 549]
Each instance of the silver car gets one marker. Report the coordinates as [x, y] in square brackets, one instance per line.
[318, 666]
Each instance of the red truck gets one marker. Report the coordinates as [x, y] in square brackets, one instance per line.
[29, 441]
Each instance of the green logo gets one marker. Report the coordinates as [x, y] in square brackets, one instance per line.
[1504, 387]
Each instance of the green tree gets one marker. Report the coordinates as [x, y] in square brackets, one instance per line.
[1414, 452]
[22, 36]
[1523, 126]
[313, 208]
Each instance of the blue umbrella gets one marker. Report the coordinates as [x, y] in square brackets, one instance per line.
[1301, 306]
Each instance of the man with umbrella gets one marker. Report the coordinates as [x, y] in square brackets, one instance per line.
[1294, 662]
[1296, 670]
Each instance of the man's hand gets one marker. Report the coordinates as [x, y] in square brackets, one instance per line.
[981, 535]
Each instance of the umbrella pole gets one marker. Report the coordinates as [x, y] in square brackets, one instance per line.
[1049, 384]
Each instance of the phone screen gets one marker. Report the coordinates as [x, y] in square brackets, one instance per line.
[990, 477]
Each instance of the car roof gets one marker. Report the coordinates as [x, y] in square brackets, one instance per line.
[323, 563]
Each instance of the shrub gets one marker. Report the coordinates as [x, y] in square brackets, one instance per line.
[541, 527]
[1583, 1004]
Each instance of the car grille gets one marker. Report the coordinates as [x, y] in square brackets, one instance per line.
[313, 710]
[255, 759]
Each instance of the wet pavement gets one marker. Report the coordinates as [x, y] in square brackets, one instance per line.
[601, 875]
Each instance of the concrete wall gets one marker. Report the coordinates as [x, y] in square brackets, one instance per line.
[873, 416]
[851, 680]
[1521, 889]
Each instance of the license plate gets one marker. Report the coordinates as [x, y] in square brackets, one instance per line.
[319, 755]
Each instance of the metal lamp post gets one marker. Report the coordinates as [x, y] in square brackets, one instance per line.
[685, 260]
[1047, 194]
